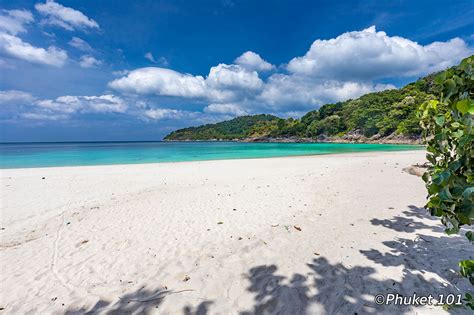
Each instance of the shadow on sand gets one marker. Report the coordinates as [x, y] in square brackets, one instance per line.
[407, 223]
[142, 301]
[326, 288]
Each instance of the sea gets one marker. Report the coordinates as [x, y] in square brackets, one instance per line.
[30, 155]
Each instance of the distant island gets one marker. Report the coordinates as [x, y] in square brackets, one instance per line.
[383, 117]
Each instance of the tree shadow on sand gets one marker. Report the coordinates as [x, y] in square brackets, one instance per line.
[408, 222]
[139, 301]
[424, 253]
[334, 289]
[142, 301]
[429, 266]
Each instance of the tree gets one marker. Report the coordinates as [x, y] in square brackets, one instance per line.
[448, 123]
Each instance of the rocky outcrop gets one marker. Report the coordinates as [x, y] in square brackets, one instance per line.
[354, 136]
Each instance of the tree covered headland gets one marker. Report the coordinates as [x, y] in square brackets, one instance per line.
[372, 116]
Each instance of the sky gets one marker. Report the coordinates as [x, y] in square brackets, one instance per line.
[87, 70]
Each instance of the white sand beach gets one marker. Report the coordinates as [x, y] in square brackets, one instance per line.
[296, 235]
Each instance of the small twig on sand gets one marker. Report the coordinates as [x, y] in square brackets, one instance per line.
[160, 297]
[421, 238]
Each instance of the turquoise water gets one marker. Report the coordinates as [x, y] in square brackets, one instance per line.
[26, 155]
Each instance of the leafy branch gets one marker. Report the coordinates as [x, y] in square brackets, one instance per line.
[447, 124]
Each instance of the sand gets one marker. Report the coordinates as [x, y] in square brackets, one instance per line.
[298, 235]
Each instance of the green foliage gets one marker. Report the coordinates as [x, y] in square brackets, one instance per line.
[330, 125]
[287, 128]
[467, 269]
[382, 113]
[469, 301]
[447, 124]
[237, 128]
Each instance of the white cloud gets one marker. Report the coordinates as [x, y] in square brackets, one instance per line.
[163, 61]
[63, 104]
[160, 60]
[283, 91]
[80, 44]
[332, 70]
[224, 83]
[164, 113]
[47, 116]
[88, 61]
[150, 57]
[65, 17]
[119, 73]
[253, 61]
[196, 118]
[226, 109]
[15, 47]
[233, 77]
[15, 97]
[14, 21]
[160, 81]
[72, 104]
[52, 36]
[368, 55]
[106, 103]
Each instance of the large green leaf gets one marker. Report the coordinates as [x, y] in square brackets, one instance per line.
[463, 106]
[468, 192]
[440, 119]
[444, 194]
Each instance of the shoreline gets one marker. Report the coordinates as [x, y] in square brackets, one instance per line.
[349, 138]
[302, 140]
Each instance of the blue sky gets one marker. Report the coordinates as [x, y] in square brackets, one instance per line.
[136, 70]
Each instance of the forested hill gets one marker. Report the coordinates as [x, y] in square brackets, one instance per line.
[387, 116]
[237, 128]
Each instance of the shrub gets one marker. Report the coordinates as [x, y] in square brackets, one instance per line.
[447, 124]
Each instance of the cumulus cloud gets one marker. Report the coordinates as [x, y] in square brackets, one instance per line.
[233, 90]
[195, 117]
[88, 61]
[165, 113]
[305, 93]
[225, 76]
[369, 55]
[224, 83]
[72, 104]
[63, 104]
[15, 97]
[160, 81]
[14, 21]
[65, 17]
[226, 109]
[80, 44]
[337, 69]
[15, 47]
[253, 61]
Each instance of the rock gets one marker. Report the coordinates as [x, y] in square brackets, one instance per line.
[415, 170]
